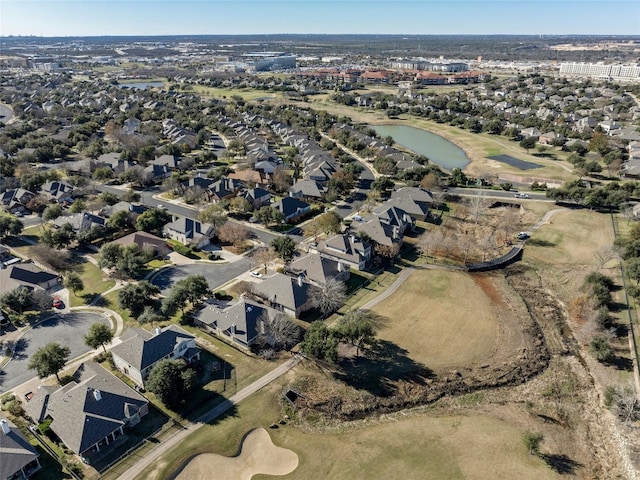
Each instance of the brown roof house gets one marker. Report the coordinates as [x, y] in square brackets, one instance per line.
[19, 458]
[140, 350]
[145, 242]
[90, 412]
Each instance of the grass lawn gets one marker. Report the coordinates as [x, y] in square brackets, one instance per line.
[95, 281]
[442, 318]
[571, 237]
[111, 301]
[247, 94]
[415, 446]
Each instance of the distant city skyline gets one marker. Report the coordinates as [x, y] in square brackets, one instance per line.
[210, 17]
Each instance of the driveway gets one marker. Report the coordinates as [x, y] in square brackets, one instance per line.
[66, 329]
[217, 274]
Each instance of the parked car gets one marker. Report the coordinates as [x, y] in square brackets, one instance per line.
[522, 236]
[57, 303]
[256, 274]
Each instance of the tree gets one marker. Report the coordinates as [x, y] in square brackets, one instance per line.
[625, 403]
[269, 215]
[478, 206]
[388, 252]
[121, 221]
[528, 143]
[41, 300]
[382, 184]
[263, 256]
[240, 205]
[282, 332]
[327, 223]
[234, 233]
[213, 215]
[284, 246]
[17, 299]
[320, 342]
[601, 349]
[329, 297]
[149, 315]
[532, 441]
[135, 296]
[74, 282]
[153, 220]
[9, 225]
[188, 290]
[51, 212]
[457, 178]
[109, 254]
[170, 381]
[357, 328]
[99, 335]
[49, 360]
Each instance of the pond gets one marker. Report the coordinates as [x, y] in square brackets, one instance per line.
[438, 150]
[143, 85]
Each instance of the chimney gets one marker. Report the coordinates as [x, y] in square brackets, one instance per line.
[158, 330]
[233, 328]
[97, 395]
[340, 267]
[5, 427]
[300, 280]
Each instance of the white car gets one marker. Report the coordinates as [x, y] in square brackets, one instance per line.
[161, 206]
[521, 195]
[256, 274]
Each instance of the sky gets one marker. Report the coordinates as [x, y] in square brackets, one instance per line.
[210, 17]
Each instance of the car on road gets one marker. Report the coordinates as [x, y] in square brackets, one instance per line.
[523, 235]
[256, 274]
[357, 218]
[521, 195]
[161, 206]
[57, 303]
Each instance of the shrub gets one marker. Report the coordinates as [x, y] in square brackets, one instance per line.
[45, 426]
[601, 349]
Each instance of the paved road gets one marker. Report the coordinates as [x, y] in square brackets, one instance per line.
[470, 192]
[162, 448]
[66, 329]
[217, 274]
[147, 198]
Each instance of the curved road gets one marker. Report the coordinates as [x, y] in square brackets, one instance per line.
[66, 329]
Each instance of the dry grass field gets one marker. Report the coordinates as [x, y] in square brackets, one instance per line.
[414, 446]
[442, 318]
[571, 237]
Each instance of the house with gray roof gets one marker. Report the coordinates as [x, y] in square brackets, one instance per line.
[189, 232]
[380, 232]
[282, 292]
[91, 412]
[58, 192]
[292, 208]
[140, 350]
[242, 323]
[257, 197]
[307, 189]
[346, 248]
[394, 216]
[81, 222]
[27, 275]
[145, 242]
[317, 269]
[19, 458]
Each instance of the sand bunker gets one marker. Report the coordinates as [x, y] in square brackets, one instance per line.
[258, 455]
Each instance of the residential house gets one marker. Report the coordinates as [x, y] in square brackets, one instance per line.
[89, 413]
[81, 222]
[394, 216]
[347, 249]
[224, 188]
[307, 189]
[131, 208]
[242, 323]
[141, 350]
[189, 232]
[257, 197]
[19, 457]
[58, 192]
[318, 269]
[551, 138]
[27, 275]
[16, 200]
[171, 161]
[156, 173]
[145, 242]
[284, 293]
[114, 161]
[380, 232]
[292, 208]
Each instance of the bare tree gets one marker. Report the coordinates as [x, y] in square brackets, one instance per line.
[282, 332]
[478, 205]
[263, 256]
[605, 254]
[329, 297]
[626, 403]
[233, 233]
